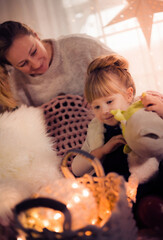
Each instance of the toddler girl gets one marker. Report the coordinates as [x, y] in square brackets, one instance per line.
[108, 86]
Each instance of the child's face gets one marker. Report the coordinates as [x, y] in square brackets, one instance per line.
[102, 107]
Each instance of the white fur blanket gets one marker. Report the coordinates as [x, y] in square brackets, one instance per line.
[27, 159]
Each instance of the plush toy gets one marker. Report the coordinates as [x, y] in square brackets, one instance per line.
[28, 161]
[143, 132]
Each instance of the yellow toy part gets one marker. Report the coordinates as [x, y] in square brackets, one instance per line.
[123, 116]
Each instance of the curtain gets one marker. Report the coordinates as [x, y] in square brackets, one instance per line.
[54, 18]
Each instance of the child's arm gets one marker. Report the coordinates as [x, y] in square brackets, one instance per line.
[108, 147]
[81, 166]
[153, 103]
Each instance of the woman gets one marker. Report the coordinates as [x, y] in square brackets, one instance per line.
[39, 70]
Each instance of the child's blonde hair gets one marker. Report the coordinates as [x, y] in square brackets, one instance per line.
[101, 75]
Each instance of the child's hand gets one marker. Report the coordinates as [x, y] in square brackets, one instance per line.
[114, 143]
[109, 147]
[153, 103]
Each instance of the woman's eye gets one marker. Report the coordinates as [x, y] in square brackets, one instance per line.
[34, 52]
[108, 102]
[23, 64]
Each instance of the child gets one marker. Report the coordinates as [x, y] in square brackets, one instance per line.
[108, 86]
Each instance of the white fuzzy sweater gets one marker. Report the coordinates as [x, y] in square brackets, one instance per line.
[67, 72]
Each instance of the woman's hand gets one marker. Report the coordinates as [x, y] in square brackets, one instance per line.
[109, 147]
[153, 103]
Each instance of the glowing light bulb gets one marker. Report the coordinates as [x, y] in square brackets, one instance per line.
[69, 205]
[31, 221]
[85, 193]
[88, 233]
[75, 185]
[34, 214]
[57, 216]
[20, 238]
[94, 221]
[46, 223]
[57, 229]
[76, 199]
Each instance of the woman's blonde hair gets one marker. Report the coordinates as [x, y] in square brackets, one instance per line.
[9, 31]
[7, 101]
[107, 75]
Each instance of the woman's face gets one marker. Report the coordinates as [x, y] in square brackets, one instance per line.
[29, 55]
[102, 107]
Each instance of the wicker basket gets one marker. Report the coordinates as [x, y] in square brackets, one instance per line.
[90, 232]
[109, 192]
[32, 233]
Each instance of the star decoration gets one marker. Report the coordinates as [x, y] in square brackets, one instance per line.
[143, 10]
